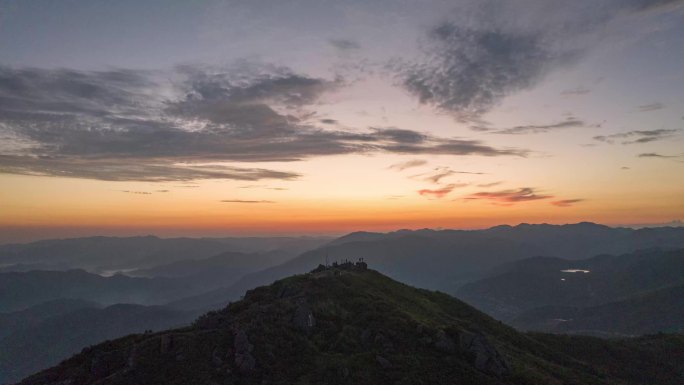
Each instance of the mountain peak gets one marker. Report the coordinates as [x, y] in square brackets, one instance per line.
[342, 325]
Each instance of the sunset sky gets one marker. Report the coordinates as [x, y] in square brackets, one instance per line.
[266, 117]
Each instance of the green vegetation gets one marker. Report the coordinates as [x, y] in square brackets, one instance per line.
[350, 326]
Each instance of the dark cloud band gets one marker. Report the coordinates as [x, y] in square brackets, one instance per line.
[130, 125]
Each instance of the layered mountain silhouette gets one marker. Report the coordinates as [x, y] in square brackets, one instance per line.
[350, 325]
[21, 290]
[652, 312]
[445, 260]
[633, 294]
[103, 254]
[512, 273]
[46, 334]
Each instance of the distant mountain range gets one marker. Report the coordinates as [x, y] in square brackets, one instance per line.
[19, 291]
[657, 311]
[513, 273]
[111, 254]
[631, 294]
[445, 260]
[44, 335]
[353, 326]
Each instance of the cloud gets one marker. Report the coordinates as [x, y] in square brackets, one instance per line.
[261, 186]
[161, 126]
[654, 155]
[328, 121]
[536, 129]
[638, 136]
[443, 146]
[344, 44]
[132, 170]
[435, 178]
[401, 136]
[469, 70]
[408, 164]
[489, 49]
[249, 101]
[438, 193]
[650, 5]
[651, 107]
[522, 194]
[443, 172]
[245, 201]
[492, 184]
[576, 91]
[394, 197]
[137, 192]
[566, 202]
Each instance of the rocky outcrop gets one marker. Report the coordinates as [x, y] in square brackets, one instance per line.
[485, 357]
[165, 343]
[444, 343]
[303, 318]
[244, 360]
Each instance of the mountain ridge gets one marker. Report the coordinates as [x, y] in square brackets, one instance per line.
[350, 326]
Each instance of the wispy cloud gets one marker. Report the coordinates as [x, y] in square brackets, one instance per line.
[262, 186]
[638, 136]
[137, 192]
[438, 193]
[440, 173]
[567, 202]
[408, 164]
[131, 169]
[651, 107]
[344, 44]
[491, 184]
[245, 201]
[537, 129]
[576, 91]
[523, 194]
[435, 178]
[653, 155]
[394, 197]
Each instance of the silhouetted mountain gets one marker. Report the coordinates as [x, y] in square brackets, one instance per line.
[571, 241]
[447, 259]
[39, 345]
[537, 282]
[436, 262]
[215, 272]
[10, 322]
[658, 311]
[230, 264]
[22, 290]
[352, 326]
[102, 254]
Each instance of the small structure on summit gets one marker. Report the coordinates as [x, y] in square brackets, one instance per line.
[345, 264]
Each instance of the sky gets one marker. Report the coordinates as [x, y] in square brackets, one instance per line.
[272, 117]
